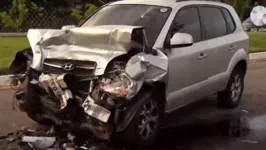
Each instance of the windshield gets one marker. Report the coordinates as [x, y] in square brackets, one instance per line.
[151, 17]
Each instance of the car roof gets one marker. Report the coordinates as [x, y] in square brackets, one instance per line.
[168, 3]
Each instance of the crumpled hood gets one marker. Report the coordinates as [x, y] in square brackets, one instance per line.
[100, 44]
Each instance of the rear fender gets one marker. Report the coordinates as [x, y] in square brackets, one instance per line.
[240, 55]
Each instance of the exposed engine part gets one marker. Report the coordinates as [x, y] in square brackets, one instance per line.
[99, 129]
[127, 81]
[95, 110]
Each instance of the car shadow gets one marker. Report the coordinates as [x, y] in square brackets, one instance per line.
[200, 123]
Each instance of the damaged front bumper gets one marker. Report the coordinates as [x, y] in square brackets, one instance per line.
[100, 93]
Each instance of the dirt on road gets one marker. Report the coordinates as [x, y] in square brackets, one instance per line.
[11, 120]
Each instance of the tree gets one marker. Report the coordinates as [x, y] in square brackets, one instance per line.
[242, 7]
[80, 15]
[19, 11]
[262, 2]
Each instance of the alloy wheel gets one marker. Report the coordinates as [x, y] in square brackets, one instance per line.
[236, 88]
[148, 119]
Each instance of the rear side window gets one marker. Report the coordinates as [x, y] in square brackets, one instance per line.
[230, 21]
[214, 24]
[187, 21]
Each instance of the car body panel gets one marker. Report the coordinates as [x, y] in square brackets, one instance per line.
[207, 76]
[159, 44]
[185, 70]
[100, 44]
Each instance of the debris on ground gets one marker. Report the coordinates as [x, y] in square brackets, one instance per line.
[30, 139]
[2, 137]
[251, 142]
[39, 142]
[245, 111]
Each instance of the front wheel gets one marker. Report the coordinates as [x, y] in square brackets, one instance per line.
[144, 127]
[232, 95]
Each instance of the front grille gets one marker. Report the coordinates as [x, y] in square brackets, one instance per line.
[81, 68]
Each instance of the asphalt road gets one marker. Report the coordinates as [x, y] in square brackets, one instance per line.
[202, 125]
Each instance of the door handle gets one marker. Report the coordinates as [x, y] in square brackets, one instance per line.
[202, 56]
[232, 47]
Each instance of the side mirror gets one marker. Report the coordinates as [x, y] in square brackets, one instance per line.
[68, 27]
[181, 39]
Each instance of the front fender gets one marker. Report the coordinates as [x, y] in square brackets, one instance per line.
[133, 108]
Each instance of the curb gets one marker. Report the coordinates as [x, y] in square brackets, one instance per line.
[13, 34]
[257, 60]
[253, 57]
[5, 87]
[5, 82]
[257, 56]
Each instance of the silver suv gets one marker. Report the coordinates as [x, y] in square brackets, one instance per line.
[130, 63]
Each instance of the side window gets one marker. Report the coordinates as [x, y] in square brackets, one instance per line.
[187, 21]
[230, 21]
[214, 24]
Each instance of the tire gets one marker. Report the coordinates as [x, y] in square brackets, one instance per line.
[144, 127]
[39, 119]
[231, 96]
[33, 106]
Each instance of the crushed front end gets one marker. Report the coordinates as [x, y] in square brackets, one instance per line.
[86, 79]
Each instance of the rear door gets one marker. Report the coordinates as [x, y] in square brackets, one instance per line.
[217, 26]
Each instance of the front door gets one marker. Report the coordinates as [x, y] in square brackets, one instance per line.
[186, 64]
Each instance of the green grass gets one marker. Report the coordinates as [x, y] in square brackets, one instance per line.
[257, 41]
[10, 45]
[8, 48]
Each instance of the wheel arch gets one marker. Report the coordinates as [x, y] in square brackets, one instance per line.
[239, 59]
[155, 90]
[159, 92]
[242, 64]
[225, 96]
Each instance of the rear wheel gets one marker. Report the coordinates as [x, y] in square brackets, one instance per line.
[232, 95]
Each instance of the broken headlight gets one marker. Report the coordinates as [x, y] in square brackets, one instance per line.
[121, 86]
